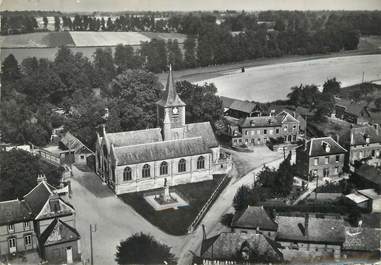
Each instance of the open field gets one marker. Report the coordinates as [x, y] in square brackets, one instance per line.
[37, 40]
[87, 38]
[273, 82]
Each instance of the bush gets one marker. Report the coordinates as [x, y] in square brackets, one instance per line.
[241, 198]
[226, 219]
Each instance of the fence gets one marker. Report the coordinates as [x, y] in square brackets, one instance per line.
[207, 205]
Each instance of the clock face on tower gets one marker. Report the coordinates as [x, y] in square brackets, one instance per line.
[175, 111]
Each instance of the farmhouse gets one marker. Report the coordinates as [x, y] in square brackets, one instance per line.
[322, 157]
[240, 109]
[350, 111]
[258, 130]
[177, 152]
[41, 222]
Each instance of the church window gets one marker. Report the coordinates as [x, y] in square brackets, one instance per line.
[163, 168]
[182, 166]
[200, 162]
[146, 171]
[127, 174]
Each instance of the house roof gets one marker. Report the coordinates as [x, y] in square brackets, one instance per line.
[135, 154]
[243, 106]
[357, 198]
[226, 101]
[170, 97]
[370, 173]
[286, 117]
[73, 143]
[370, 193]
[120, 139]
[352, 107]
[360, 134]
[316, 147]
[38, 196]
[362, 239]
[203, 130]
[58, 232]
[226, 245]
[310, 229]
[260, 122]
[253, 217]
[14, 211]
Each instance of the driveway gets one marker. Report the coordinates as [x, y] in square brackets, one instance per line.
[116, 221]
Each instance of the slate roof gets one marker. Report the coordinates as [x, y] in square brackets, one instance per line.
[315, 147]
[37, 197]
[361, 133]
[226, 245]
[357, 198]
[60, 232]
[170, 96]
[362, 239]
[260, 122]
[135, 154]
[201, 129]
[253, 217]
[318, 230]
[73, 143]
[226, 101]
[286, 117]
[370, 193]
[14, 211]
[134, 137]
[370, 173]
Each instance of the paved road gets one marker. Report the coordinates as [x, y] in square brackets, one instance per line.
[96, 204]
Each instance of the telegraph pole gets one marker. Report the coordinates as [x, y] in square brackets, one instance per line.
[93, 229]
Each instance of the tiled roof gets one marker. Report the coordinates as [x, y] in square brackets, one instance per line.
[352, 107]
[58, 232]
[170, 96]
[310, 229]
[362, 239]
[360, 134]
[14, 211]
[253, 217]
[316, 147]
[226, 246]
[203, 130]
[135, 154]
[134, 137]
[260, 122]
[226, 101]
[37, 197]
[73, 143]
[286, 117]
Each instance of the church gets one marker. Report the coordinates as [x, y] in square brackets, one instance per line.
[175, 152]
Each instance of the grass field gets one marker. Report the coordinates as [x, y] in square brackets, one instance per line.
[39, 39]
[175, 222]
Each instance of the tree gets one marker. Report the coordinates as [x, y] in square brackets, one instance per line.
[104, 66]
[57, 23]
[175, 57]
[125, 58]
[377, 102]
[10, 69]
[241, 198]
[155, 55]
[45, 21]
[190, 52]
[143, 249]
[332, 86]
[285, 177]
[202, 102]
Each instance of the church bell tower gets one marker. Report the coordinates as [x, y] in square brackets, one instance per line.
[171, 111]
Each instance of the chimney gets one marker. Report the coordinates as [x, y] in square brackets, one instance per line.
[203, 232]
[338, 138]
[352, 138]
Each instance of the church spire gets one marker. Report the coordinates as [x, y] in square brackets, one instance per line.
[170, 97]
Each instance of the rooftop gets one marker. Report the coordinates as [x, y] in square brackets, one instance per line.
[170, 96]
[253, 217]
[318, 147]
[260, 122]
[58, 232]
[359, 135]
[14, 211]
[119, 139]
[73, 143]
[352, 107]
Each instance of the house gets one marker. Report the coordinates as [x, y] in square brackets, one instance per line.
[362, 243]
[238, 248]
[303, 234]
[365, 143]
[322, 157]
[75, 150]
[180, 153]
[240, 109]
[258, 130]
[367, 199]
[351, 111]
[368, 177]
[41, 222]
[301, 116]
[254, 219]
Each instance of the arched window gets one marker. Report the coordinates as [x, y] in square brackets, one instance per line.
[200, 162]
[146, 171]
[127, 174]
[182, 166]
[163, 168]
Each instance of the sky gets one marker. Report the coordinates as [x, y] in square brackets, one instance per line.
[187, 5]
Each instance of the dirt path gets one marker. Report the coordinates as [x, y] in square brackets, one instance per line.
[116, 221]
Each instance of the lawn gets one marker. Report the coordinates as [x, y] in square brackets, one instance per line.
[175, 222]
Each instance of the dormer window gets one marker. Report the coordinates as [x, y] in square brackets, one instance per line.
[367, 138]
[252, 123]
[326, 147]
